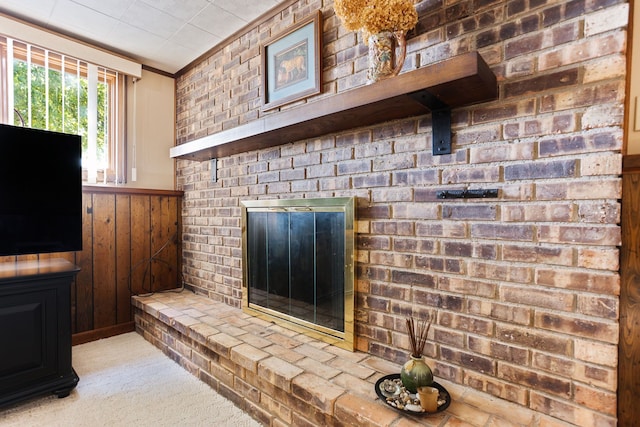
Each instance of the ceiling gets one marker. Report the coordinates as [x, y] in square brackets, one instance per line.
[163, 34]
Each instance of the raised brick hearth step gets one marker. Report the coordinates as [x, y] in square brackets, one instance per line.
[281, 377]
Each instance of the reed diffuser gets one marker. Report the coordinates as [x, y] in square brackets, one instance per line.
[415, 372]
[417, 335]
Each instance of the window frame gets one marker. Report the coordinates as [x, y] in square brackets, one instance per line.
[114, 171]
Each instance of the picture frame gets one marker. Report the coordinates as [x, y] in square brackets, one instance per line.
[292, 63]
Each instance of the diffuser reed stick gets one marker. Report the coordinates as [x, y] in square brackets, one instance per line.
[417, 335]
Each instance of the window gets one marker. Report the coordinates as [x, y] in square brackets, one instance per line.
[56, 92]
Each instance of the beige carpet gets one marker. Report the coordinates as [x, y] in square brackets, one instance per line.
[126, 381]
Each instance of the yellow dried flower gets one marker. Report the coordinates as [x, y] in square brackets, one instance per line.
[373, 16]
[349, 12]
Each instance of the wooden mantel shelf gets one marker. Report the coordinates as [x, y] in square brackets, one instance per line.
[456, 82]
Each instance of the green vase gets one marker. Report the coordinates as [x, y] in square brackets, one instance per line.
[416, 373]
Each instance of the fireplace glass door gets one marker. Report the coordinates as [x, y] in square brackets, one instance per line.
[299, 263]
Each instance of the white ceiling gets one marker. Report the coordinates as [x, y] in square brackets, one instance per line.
[163, 34]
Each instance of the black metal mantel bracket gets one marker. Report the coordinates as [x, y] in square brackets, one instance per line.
[441, 130]
[440, 122]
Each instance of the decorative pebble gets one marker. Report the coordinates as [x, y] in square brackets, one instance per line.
[401, 398]
[390, 388]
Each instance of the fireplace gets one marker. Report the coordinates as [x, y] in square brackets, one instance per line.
[298, 265]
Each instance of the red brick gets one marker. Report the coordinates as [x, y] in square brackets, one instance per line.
[598, 306]
[582, 51]
[406, 277]
[540, 298]
[487, 347]
[399, 228]
[449, 338]
[532, 338]
[222, 344]
[596, 399]
[579, 190]
[556, 365]
[599, 213]
[523, 151]
[478, 363]
[607, 284]
[535, 380]
[441, 229]
[538, 254]
[500, 272]
[316, 391]
[502, 389]
[599, 258]
[469, 212]
[373, 242]
[416, 211]
[467, 287]
[391, 259]
[568, 412]
[582, 96]
[446, 302]
[556, 169]
[414, 177]
[578, 144]
[466, 323]
[579, 327]
[503, 312]
[542, 83]
[256, 412]
[368, 181]
[375, 303]
[503, 111]
[502, 231]
[390, 291]
[466, 135]
[354, 410]
[580, 234]
[593, 352]
[390, 195]
[557, 212]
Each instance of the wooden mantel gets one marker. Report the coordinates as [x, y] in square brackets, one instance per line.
[456, 82]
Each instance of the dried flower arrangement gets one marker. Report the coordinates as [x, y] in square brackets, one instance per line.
[374, 16]
[417, 335]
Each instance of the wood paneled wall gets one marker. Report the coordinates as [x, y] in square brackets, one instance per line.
[131, 245]
[629, 345]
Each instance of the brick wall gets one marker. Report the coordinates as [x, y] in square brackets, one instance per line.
[524, 286]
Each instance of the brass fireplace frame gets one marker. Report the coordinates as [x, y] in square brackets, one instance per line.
[343, 339]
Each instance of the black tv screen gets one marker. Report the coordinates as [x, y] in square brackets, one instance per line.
[40, 191]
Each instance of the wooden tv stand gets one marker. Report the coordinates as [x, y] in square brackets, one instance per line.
[35, 329]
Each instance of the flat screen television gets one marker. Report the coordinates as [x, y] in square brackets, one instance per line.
[40, 191]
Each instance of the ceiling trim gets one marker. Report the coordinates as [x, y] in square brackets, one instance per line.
[157, 71]
[26, 32]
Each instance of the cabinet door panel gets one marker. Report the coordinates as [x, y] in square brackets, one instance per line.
[28, 325]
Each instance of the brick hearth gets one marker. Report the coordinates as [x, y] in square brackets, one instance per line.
[524, 286]
[282, 378]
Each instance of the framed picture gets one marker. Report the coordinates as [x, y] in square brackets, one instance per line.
[291, 63]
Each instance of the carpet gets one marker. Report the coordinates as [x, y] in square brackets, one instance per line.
[126, 381]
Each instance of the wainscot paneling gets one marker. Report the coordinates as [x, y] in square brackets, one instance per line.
[131, 246]
[629, 347]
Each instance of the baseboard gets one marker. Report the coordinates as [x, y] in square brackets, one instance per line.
[96, 334]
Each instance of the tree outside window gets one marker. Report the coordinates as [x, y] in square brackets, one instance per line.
[51, 91]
